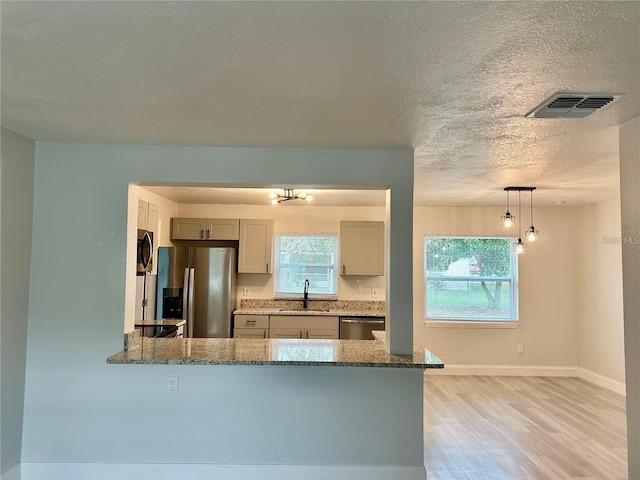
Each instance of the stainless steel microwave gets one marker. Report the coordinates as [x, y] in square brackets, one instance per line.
[144, 252]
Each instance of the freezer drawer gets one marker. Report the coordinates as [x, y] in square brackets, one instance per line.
[360, 328]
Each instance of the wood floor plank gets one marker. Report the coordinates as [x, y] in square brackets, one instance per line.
[523, 428]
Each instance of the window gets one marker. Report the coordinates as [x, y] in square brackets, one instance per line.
[470, 279]
[306, 257]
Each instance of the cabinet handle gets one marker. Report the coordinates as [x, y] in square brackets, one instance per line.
[343, 269]
[251, 321]
[208, 236]
[267, 267]
[201, 234]
[300, 334]
[264, 334]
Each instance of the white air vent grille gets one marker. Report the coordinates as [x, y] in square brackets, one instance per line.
[572, 105]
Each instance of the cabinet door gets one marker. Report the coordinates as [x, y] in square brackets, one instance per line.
[223, 229]
[322, 333]
[152, 220]
[188, 228]
[250, 333]
[362, 248]
[256, 246]
[143, 208]
[285, 333]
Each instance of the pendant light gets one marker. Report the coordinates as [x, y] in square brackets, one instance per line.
[519, 246]
[532, 233]
[507, 218]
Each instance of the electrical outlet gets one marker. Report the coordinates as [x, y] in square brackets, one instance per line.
[374, 293]
[246, 291]
[520, 348]
[172, 385]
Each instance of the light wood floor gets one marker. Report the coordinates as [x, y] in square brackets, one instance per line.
[522, 428]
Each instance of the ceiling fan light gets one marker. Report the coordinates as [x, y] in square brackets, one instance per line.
[274, 201]
[308, 198]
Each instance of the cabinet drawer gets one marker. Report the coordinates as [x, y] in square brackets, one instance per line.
[304, 322]
[250, 333]
[251, 321]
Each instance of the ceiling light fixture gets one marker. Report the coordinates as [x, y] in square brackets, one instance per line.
[289, 194]
[508, 220]
[532, 232]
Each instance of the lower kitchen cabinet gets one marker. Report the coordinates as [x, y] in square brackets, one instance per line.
[250, 333]
[251, 326]
[303, 326]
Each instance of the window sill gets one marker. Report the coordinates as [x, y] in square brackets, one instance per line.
[471, 324]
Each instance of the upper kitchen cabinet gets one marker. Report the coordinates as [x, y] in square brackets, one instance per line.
[362, 248]
[205, 229]
[256, 246]
[147, 216]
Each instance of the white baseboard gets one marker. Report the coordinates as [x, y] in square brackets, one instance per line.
[603, 381]
[138, 471]
[12, 474]
[506, 370]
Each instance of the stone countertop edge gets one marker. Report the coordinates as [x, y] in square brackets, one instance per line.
[274, 352]
[310, 312]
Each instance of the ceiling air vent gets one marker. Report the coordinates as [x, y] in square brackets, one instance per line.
[572, 105]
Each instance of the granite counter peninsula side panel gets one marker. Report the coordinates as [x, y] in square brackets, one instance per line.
[280, 352]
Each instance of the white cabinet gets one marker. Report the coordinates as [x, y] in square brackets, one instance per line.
[147, 216]
[362, 248]
[304, 326]
[251, 326]
[256, 246]
[205, 229]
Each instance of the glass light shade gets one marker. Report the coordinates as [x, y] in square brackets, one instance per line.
[273, 195]
[274, 201]
[508, 219]
[302, 195]
[531, 234]
[308, 198]
[519, 246]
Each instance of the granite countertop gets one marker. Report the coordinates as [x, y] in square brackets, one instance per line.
[281, 352]
[160, 323]
[325, 308]
[429, 357]
[309, 312]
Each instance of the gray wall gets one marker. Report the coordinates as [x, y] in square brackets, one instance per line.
[17, 218]
[630, 199]
[79, 409]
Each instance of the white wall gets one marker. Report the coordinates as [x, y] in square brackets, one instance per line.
[297, 219]
[18, 155]
[630, 201]
[600, 291]
[79, 409]
[548, 283]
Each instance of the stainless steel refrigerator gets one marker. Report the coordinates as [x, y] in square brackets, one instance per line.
[199, 285]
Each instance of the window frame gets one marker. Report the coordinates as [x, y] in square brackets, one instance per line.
[312, 295]
[475, 322]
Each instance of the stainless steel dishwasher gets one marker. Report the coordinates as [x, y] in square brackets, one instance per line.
[360, 328]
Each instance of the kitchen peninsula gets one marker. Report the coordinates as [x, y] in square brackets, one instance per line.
[292, 352]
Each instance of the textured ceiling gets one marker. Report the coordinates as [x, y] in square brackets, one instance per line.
[451, 79]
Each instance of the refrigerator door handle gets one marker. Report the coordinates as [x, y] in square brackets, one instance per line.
[190, 305]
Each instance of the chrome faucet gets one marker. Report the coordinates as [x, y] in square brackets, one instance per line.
[305, 297]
